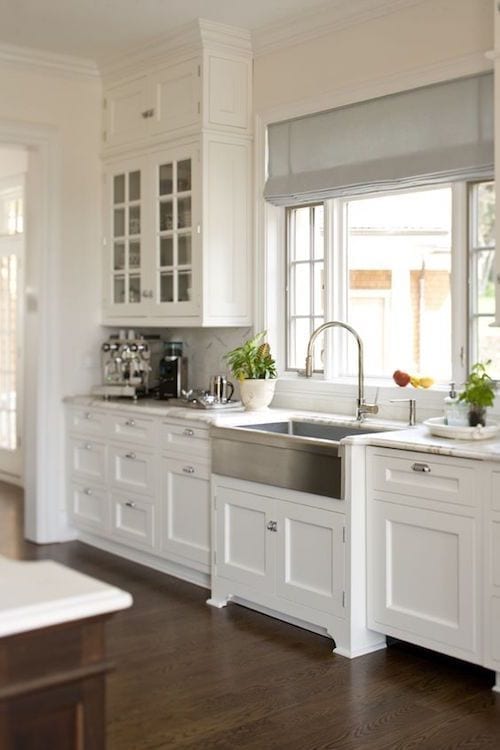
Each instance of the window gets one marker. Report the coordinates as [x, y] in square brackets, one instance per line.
[395, 272]
[484, 340]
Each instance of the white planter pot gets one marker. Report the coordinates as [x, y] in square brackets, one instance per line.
[256, 395]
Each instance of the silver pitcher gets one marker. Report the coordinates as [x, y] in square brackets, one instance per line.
[221, 389]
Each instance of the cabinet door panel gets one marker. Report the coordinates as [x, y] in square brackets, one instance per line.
[176, 96]
[423, 574]
[132, 470]
[133, 521]
[495, 490]
[310, 557]
[88, 459]
[185, 440]
[245, 546]
[125, 105]
[229, 85]
[89, 507]
[87, 421]
[185, 524]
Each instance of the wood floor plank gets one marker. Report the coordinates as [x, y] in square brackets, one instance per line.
[190, 677]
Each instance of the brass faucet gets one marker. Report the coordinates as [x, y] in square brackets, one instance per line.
[362, 408]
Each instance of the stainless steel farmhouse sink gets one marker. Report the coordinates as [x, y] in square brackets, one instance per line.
[296, 454]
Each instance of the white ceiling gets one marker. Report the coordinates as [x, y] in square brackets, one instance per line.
[96, 29]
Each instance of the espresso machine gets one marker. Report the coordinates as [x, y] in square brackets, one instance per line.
[173, 374]
[130, 365]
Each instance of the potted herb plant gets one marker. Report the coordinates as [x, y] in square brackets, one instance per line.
[253, 365]
[478, 393]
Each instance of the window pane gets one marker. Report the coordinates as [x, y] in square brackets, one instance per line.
[119, 289]
[119, 256]
[399, 295]
[166, 181]
[166, 251]
[301, 289]
[485, 212]
[184, 282]
[300, 230]
[166, 216]
[134, 254]
[319, 289]
[134, 220]
[184, 249]
[119, 222]
[134, 289]
[119, 188]
[488, 345]
[184, 175]
[319, 232]
[8, 351]
[134, 186]
[484, 278]
[184, 213]
[300, 330]
[166, 287]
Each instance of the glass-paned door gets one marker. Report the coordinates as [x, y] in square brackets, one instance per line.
[127, 238]
[175, 235]
[11, 256]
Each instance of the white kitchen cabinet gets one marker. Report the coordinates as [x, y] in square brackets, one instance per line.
[180, 253]
[424, 552]
[133, 521]
[492, 570]
[89, 507]
[88, 459]
[132, 469]
[281, 550]
[185, 510]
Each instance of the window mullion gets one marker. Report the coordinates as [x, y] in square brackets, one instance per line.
[459, 282]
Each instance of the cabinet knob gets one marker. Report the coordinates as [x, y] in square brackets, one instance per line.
[188, 469]
[88, 446]
[147, 113]
[130, 504]
[130, 422]
[88, 415]
[422, 468]
[87, 491]
[132, 456]
[272, 526]
[188, 433]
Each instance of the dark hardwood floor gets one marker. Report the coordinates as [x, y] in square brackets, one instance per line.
[189, 676]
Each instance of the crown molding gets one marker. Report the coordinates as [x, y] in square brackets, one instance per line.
[332, 16]
[187, 40]
[47, 62]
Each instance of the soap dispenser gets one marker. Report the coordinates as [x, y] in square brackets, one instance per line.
[455, 412]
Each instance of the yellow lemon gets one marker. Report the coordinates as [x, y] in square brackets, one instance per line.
[415, 381]
[426, 382]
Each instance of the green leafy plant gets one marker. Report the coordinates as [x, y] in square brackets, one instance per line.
[252, 360]
[479, 388]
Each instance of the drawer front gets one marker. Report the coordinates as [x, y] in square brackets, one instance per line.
[133, 520]
[495, 490]
[135, 429]
[185, 439]
[87, 421]
[87, 460]
[132, 470]
[89, 507]
[418, 475]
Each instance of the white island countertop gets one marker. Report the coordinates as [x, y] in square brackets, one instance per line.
[39, 594]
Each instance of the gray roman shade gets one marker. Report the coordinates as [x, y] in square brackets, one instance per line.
[427, 135]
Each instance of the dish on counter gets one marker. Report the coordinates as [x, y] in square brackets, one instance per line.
[439, 428]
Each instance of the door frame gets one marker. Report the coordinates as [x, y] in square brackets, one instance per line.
[45, 519]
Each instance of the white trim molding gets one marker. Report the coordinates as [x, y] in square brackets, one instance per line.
[331, 16]
[39, 61]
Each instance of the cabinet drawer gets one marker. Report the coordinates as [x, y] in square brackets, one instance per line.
[133, 521]
[134, 429]
[132, 470]
[87, 421]
[89, 507]
[185, 439]
[87, 459]
[414, 475]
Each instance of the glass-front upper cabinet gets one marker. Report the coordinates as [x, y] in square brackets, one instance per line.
[126, 237]
[175, 229]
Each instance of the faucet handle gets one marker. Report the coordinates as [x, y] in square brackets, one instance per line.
[412, 417]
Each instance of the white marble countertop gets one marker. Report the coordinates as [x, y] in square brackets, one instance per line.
[399, 435]
[39, 594]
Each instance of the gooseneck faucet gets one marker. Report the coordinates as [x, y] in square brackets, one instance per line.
[362, 407]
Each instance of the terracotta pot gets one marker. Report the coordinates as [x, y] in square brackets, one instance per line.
[256, 395]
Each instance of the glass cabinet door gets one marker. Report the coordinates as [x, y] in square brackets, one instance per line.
[174, 194]
[126, 236]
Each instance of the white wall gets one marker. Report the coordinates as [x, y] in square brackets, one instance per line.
[13, 161]
[60, 116]
[422, 35]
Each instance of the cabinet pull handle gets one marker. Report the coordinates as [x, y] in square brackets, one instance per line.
[422, 468]
[130, 423]
[130, 504]
[88, 415]
[188, 469]
[272, 526]
[147, 113]
[188, 433]
[87, 491]
[130, 455]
